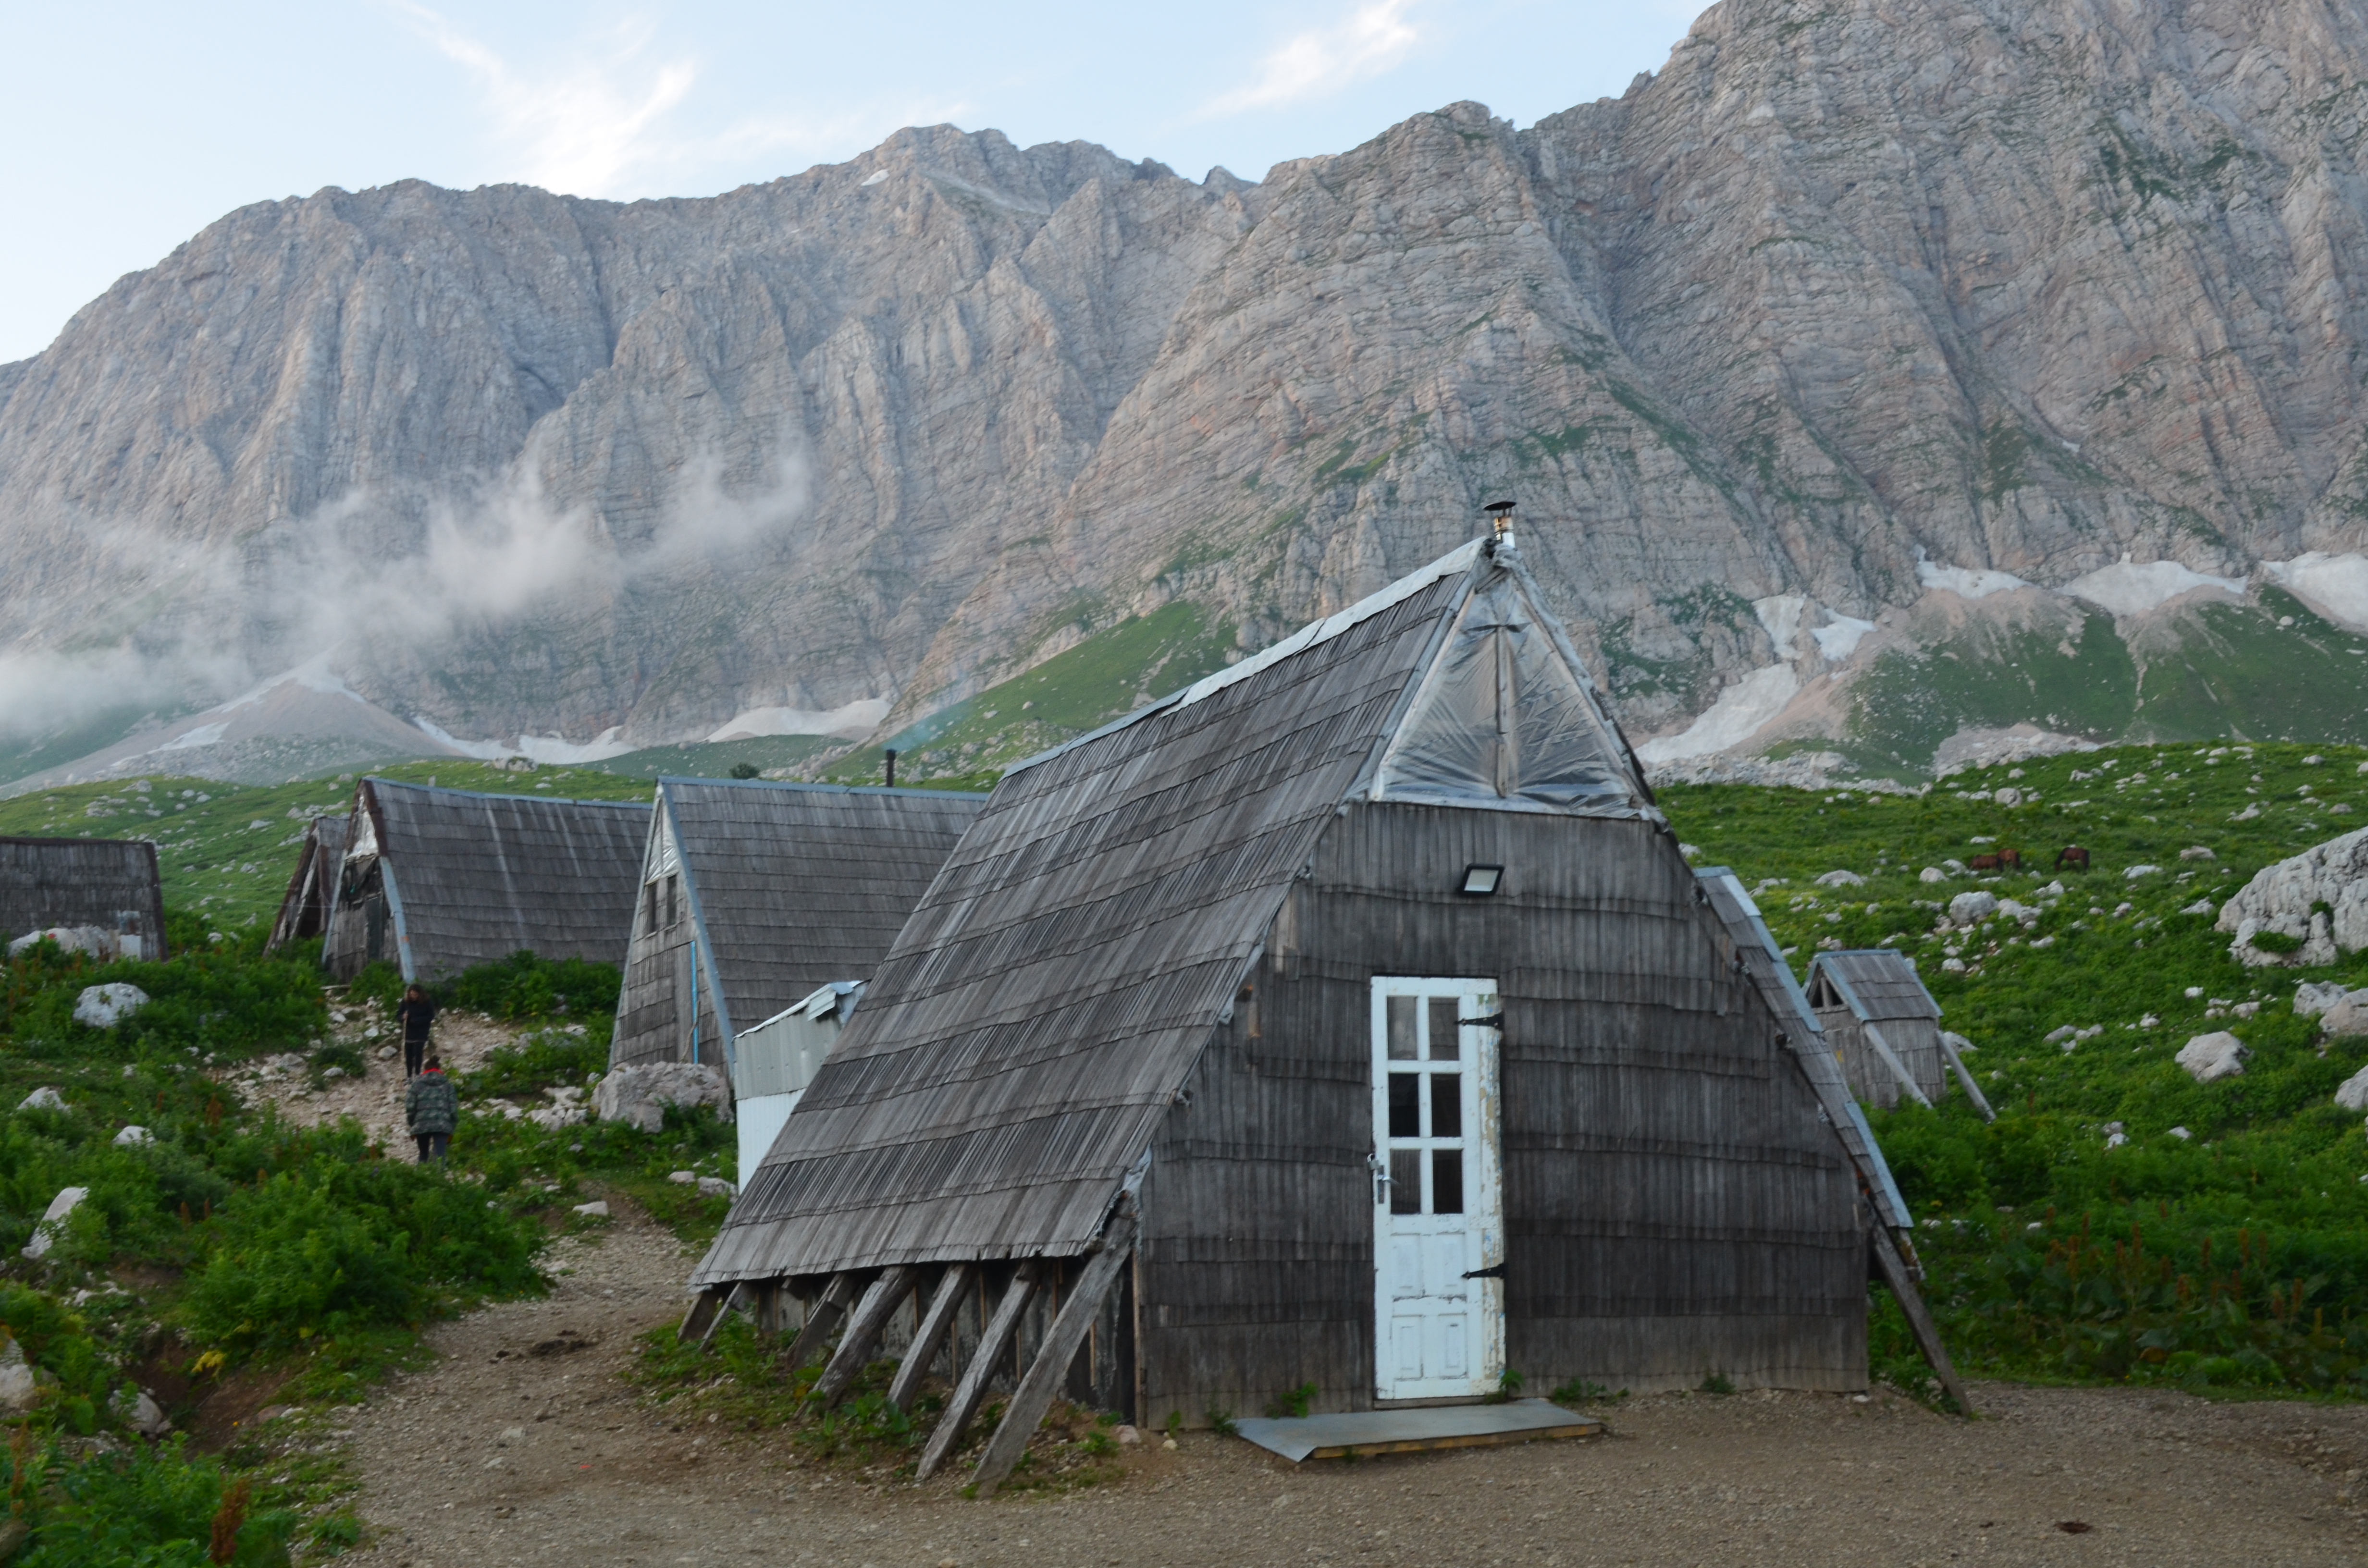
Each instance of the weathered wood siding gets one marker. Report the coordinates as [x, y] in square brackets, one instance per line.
[107, 883]
[1915, 1041]
[654, 1009]
[1674, 1206]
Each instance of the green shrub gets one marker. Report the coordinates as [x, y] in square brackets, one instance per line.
[2275, 942]
[141, 1509]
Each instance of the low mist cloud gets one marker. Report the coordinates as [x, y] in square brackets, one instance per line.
[225, 618]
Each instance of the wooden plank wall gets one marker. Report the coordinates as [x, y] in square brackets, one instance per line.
[1674, 1206]
[107, 883]
[654, 1006]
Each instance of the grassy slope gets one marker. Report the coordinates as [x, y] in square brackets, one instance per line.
[2024, 1217]
[226, 850]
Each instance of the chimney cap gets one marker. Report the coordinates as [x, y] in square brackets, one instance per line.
[1499, 507]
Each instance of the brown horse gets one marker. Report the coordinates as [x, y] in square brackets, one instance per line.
[1983, 863]
[2072, 855]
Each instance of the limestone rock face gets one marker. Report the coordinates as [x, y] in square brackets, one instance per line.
[2319, 897]
[639, 1096]
[2023, 285]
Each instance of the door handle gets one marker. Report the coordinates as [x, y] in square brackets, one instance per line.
[1381, 1172]
[1493, 1272]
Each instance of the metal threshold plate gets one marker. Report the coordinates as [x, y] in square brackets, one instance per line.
[1412, 1431]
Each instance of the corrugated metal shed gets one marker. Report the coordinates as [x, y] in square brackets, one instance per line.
[107, 883]
[312, 893]
[444, 879]
[782, 888]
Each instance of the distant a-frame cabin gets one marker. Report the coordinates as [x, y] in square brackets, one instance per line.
[311, 896]
[1350, 1019]
[106, 884]
[440, 880]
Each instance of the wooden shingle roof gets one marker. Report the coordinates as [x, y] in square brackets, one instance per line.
[1874, 982]
[1040, 1012]
[1805, 1037]
[796, 885]
[107, 883]
[477, 878]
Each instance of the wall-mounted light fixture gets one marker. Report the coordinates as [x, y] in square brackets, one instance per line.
[1479, 881]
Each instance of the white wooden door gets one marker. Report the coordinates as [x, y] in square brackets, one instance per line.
[1439, 1220]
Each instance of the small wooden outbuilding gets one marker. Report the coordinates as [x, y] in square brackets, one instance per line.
[753, 893]
[1887, 1027]
[1348, 1020]
[108, 884]
[312, 894]
[440, 880]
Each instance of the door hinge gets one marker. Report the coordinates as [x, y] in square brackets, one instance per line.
[1493, 1272]
[1493, 1021]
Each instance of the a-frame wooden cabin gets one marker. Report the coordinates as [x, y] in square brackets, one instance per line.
[1350, 1019]
[754, 893]
[440, 880]
[311, 896]
[109, 884]
[1884, 1023]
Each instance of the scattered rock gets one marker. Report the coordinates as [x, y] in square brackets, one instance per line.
[42, 1098]
[2347, 1017]
[45, 1235]
[2019, 912]
[2286, 898]
[2197, 852]
[386, 1053]
[2312, 999]
[2056, 1037]
[2210, 1057]
[2353, 1093]
[2200, 906]
[1842, 879]
[1931, 874]
[1128, 1435]
[2134, 872]
[683, 1178]
[133, 1137]
[595, 1209]
[1969, 907]
[638, 1095]
[136, 1410]
[1958, 1042]
[104, 1006]
[2181, 1133]
[716, 1187]
[21, 1382]
[95, 941]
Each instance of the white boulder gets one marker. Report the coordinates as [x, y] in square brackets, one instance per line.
[104, 1006]
[2210, 1057]
[2347, 1017]
[2353, 1093]
[595, 1209]
[1931, 874]
[1968, 907]
[2135, 873]
[20, 1381]
[683, 1178]
[133, 1137]
[1842, 879]
[2312, 999]
[566, 1110]
[716, 1187]
[2284, 898]
[638, 1095]
[42, 1098]
[95, 940]
[53, 1218]
[135, 1409]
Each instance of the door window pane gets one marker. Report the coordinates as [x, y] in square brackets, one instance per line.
[1446, 1038]
[1405, 1105]
[1406, 1181]
[1401, 1021]
[1446, 1104]
[1446, 1181]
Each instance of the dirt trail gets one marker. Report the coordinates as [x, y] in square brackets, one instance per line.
[524, 1444]
[518, 1448]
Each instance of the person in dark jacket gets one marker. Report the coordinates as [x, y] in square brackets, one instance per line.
[415, 1013]
[432, 1108]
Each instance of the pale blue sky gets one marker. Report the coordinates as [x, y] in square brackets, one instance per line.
[130, 127]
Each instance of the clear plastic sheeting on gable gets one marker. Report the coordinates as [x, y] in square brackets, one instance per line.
[1504, 719]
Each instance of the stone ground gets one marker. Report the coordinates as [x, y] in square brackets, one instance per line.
[524, 1445]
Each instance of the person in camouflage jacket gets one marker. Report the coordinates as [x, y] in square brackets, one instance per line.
[432, 1108]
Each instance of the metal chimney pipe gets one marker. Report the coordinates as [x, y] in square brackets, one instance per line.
[892, 769]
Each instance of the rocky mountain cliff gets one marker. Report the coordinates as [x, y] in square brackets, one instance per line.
[1851, 301]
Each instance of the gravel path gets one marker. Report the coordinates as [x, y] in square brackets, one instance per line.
[523, 1445]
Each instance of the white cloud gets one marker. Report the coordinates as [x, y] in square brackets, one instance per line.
[1321, 60]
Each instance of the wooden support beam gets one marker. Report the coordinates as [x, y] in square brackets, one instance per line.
[1894, 1269]
[1973, 1090]
[1890, 1060]
[863, 1329]
[992, 1348]
[724, 1309]
[703, 1311]
[1051, 1370]
[937, 1321]
[820, 1320]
